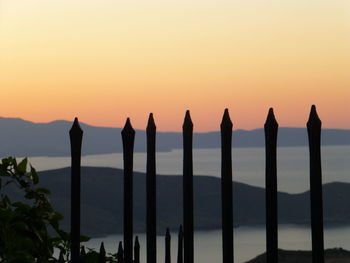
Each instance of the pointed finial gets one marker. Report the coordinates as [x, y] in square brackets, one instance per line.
[314, 120]
[102, 249]
[120, 247]
[82, 251]
[76, 129]
[271, 120]
[167, 235]
[120, 253]
[82, 254]
[102, 254]
[226, 120]
[61, 258]
[137, 250]
[187, 121]
[151, 126]
[137, 243]
[128, 129]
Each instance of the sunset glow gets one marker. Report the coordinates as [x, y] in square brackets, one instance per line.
[103, 61]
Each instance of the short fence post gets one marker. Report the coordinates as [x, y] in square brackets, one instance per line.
[82, 255]
[120, 254]
[102, 254]
[179, 246]
[137, 250]
[128, 136]
[271, 129]
[76, 136]
[226, 188]
[151, 191]
[314, 134]
[167, 246]
[60, 257]
[188, 188]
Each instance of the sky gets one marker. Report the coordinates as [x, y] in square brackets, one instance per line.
[105, 60]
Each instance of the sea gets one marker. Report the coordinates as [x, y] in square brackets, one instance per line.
[248, 166]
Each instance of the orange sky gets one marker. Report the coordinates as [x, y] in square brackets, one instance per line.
[105, 60]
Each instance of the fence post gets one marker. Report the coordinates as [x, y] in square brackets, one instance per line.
[76, 136]
[167, 246]
[314, 134]
[120, 254]
[226, 188]
[102, 254]
[60, 257]
[271, 129]
[151, 191]
[137, 250]
[187, 129]
[179, 246]
[82, 255]
[128, 136]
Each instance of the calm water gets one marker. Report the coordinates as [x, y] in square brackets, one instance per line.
[248, 242]
[248, 167]
[248, 164]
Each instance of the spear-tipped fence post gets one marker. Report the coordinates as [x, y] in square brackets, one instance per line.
[76, 136]
[167, 246]
[187, 129]
[102, 254]
[314, 134]
[151, 191]
[137, 250]
[61, 258]
[180, 246]
[120, 254]
[271, 129]
[128, 136]
[226, 188]
[82, 255]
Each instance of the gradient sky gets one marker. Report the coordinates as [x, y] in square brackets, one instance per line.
[105, 60]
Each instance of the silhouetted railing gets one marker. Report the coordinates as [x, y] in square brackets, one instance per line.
[271, 128]
[186, 236]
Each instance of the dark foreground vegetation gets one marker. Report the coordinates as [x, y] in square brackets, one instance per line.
[335, 255]
[30, 229]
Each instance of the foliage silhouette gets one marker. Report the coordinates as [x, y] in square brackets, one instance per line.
[29, 229]
[26, 225]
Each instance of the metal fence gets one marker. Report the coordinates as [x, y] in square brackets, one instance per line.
[186, 236]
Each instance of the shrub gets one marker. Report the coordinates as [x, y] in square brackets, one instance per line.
[29, 228]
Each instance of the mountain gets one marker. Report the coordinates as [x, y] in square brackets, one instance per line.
[23, 138]
[102, 207]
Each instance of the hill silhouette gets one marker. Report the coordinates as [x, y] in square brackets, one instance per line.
[25, 138]
[102, 206]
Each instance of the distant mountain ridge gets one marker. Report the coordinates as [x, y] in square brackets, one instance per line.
[24, 138]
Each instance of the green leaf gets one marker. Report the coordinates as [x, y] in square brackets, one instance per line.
[22, 166]
[34, 175]
[27, 223]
